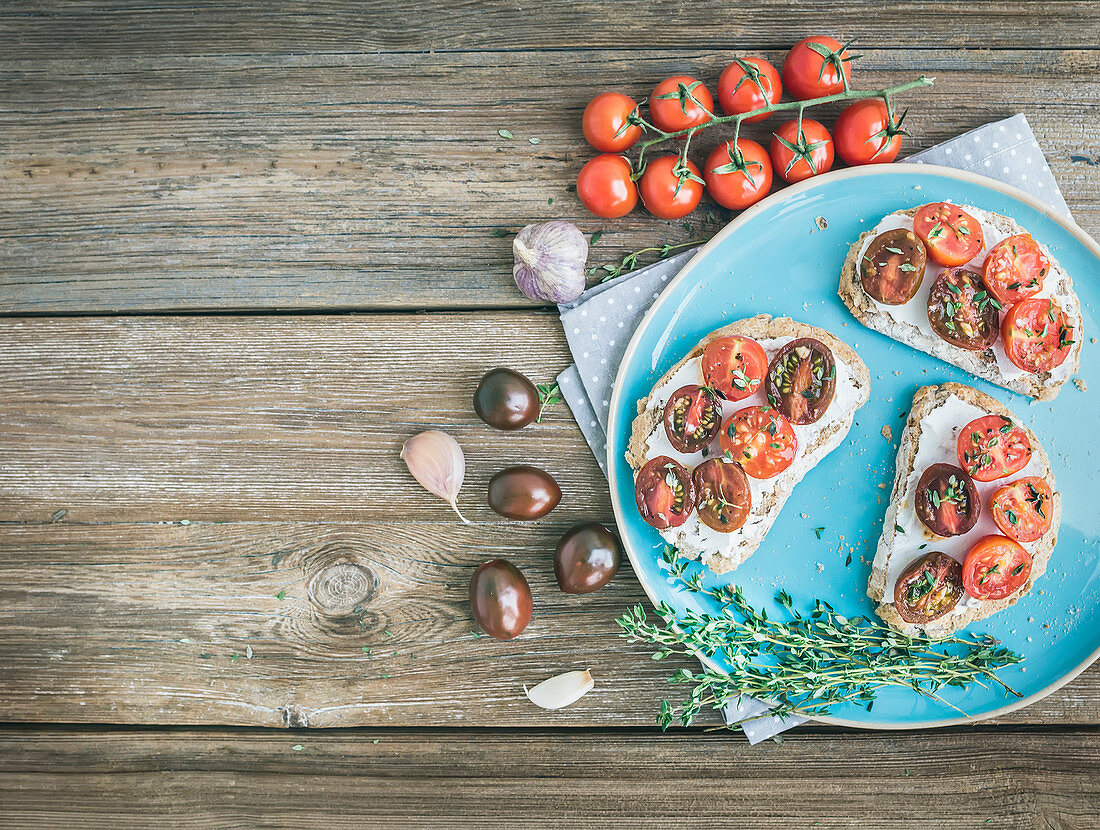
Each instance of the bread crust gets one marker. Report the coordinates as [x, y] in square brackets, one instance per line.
[926, 399]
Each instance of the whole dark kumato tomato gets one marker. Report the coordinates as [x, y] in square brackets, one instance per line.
[523, 492]
[587, 558]
[500, 599]
[506, 400]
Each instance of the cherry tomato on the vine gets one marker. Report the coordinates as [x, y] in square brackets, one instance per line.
[670, 191]
[738, 177]
[605, 187]
[800, 152]
[680, 102]
[815, 67]
[867, 133]
[607, 122]
[748, 84]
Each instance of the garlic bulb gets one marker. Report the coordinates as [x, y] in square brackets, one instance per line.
[561, 691]
[550, 260]
[436, 461]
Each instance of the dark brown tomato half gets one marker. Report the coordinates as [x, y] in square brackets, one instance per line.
[893, 266]
[692, 417]
[801, 380]
[722, 495]
[962, 311]
[664, 492]
[947, 501]
[928, 588]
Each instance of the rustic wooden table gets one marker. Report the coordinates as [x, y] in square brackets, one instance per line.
[247, 249]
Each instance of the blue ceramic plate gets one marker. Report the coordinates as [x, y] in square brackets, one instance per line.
[774, 258]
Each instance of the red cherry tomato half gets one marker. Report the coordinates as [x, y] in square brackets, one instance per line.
[1038, 335]
[947, 500]
[669, 191]
[992, 447]
[605, 187]
[760, 439]
[815, 67]
[995, 568]
[722, 494]
[692, 417]
[951, 235]
[680, 102]
[748, 84]
[734, 365]
[607, 125]
[738, 176]
[1014, 269]
[865, 133]
[664, 493]
[797, 155]
[1023, 510]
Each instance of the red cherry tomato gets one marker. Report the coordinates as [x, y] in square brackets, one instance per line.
[992, 447]
[680, 102]
[1014, 269]
[664, 492]
[815, 67]
[605, 187]
[734, 365]
[995, 568]
[797, 155]
[1038, 335]
[667, 190]
[760, 439]
[865, 133]
[738, 177]
[951, 235]
[606, 122]
[1023, 509]
[748, 84]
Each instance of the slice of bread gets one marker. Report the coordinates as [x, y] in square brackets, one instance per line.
[826, 434]
[984, 364]
[895, 550]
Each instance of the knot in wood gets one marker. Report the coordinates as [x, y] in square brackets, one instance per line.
[341, 587]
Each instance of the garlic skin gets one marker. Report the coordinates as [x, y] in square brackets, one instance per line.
[561, 691]
[436, 461]
[550, 260]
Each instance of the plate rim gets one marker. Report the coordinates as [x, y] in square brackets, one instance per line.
[744, 217]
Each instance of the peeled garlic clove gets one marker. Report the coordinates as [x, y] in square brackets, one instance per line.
[550, 260]
[436, 461]
[561, 691]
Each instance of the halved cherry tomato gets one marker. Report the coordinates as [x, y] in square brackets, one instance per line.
[961, 311]
[866, 133]
[992, 447]
[815, 67]
[692, 417]
[738, 177]
[734, 365]
[668, 190]
[947, 500]
[605, 187]
[760, 439]
[748, 84]
[722, 494]
[802, 380]
[928, 588]
[664, 492]
[1014, 269]
[607, 122]
[798, 154]
[680, 102]
[952, 236]
[1038, 335]
[1023, 509]
[893, 265]
[995, 568]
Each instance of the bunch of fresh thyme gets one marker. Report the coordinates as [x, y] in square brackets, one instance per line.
[804, 665]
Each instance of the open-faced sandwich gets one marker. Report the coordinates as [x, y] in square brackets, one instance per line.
[973, 514]
[727, 433]
[972, 288]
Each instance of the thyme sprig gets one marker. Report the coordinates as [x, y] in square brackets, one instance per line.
[549, 395]
[804, 664]
[630, 261]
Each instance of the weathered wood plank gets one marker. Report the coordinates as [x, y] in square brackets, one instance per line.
[485, 778]
[363, 181]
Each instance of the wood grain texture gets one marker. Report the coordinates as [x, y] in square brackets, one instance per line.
[152, 182]
[579, 779]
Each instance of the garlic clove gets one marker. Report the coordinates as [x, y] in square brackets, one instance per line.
[436, 461]
[562, 690]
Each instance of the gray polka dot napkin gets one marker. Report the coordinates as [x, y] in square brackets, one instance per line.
[599, 324]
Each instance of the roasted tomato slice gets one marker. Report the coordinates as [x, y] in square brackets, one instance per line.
[992, 447]
[1038, 335]
[995, 568]
[952, 236]
[928, 588]
[734, 365]
[893, 266]
[1022, 509]
[802, 380]
[961, 310]
[1014, 269]
[692, 417]
[664, 492]
[722, 495]
[760, 439]
[947, 500]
